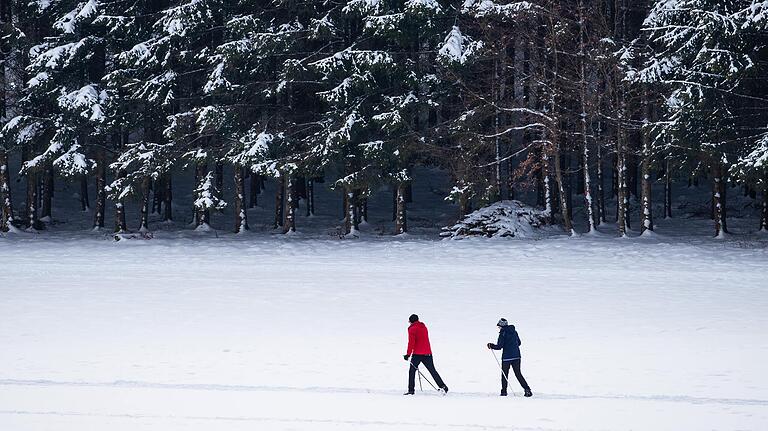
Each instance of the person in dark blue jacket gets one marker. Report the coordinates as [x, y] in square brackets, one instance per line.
[509, 342]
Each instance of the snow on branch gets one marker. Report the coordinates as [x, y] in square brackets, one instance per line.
[458, 48]
[208, 195]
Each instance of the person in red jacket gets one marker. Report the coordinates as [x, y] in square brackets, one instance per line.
[420, 352]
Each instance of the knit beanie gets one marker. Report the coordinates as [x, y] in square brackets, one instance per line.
[502, 322]
[414, 318]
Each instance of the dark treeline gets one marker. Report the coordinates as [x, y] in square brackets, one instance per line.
[502, 95]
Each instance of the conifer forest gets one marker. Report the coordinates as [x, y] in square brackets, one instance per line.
[558, 104]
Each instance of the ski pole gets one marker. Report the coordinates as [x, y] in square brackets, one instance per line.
[422, 375]
[421, 388]
[503, 374]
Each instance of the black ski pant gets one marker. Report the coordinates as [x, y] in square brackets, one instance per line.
[515, 364]
[429, 363]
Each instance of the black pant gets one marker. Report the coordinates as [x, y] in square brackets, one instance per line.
[515, 363]
[427, 361]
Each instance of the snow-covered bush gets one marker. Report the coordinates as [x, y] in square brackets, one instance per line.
[502, 219]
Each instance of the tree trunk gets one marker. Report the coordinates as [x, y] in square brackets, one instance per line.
[310, 197]
[764, 212]
[84, 201]
[220, 178]
[401, 221]
[202, 214]
[168, 197]
[646, 201]
[47, 193]
[601, 217]
[6, 212]
[646, 211]
[587, 186]
[144, 210]
[409, 190]
[241, 215]
[718, 200]
[622, 198]
[547, 185]
[667, 189]
[279, 203]
[564, 209]
[33, 223]
[157, 187]
[350, 208]
[101, 193]
[120, 225]
[289, 225]
[255, 189]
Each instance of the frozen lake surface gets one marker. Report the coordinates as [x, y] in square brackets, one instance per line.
[290, 333]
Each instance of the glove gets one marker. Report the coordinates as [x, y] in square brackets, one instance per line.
[490, 345]
[406, 357]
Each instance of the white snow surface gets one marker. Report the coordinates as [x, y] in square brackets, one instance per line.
[244, 332]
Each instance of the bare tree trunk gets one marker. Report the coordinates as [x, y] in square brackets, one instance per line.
[764, 212]
[101, 193]
[157, 187]
[120, 225]
[510, 180]
[144, 210]
[584, 141]
[6, 213]
[33, 223]
[364, 210]
[622, 198]
[202, 215]
[241, 215]
[47, 193]
[279, 203]
[84, 201]
[646, 211]
[601, 217]
[667, 189]
[168, 197]
[310, 197]
[718, 199]
[255, 189]
[646, 201]
[350, 208]
[564, 212]
[394, 203]
[546, 180]
[289, 225]
[401, 221]
[220, 177]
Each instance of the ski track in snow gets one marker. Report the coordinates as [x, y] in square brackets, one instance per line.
[331, 390]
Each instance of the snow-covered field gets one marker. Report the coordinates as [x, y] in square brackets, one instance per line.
[292, 333]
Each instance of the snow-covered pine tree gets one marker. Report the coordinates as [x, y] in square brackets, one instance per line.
[11, 44]
[379, 82]
[64, 102]
[261, 77]
[491, 54]
[701, 59]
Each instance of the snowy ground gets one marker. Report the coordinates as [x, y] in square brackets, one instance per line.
[212, 331]
[305, 334]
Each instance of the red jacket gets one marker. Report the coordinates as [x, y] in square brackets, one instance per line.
[418, 340]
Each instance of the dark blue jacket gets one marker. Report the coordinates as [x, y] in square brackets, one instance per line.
[509, 341]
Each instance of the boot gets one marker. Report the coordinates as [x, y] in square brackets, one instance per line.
[503, 393]
[528, 393]
[408, 393]
[445, 389]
